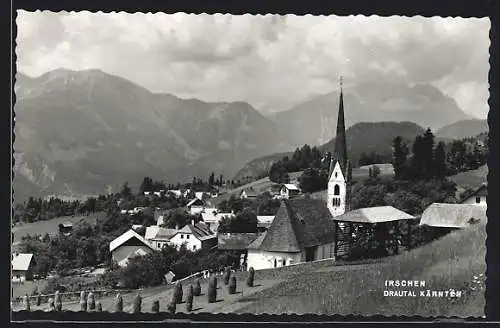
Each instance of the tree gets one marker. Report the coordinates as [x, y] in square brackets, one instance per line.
[440, 168]
[246, 221]
[278, 173]
[211, 180]
[428, 154]
[126, 192]
[313, 180]
[146, 185]
[417, 160]
[400, 154]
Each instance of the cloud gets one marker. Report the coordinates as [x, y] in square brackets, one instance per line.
[271, 61]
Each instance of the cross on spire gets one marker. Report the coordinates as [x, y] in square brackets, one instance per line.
[341, 80]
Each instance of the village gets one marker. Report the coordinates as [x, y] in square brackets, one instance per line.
[301, 228]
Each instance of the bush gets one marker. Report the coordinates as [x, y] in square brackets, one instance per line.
[227, 276]
[197, 288]
[171, 307]
[232, 286]
[189, 298]
[137, 304]
[177, 296]
[119, 303]
[155, 307]
[251, 276]
[212, 290]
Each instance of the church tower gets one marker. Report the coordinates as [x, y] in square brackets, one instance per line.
[338, 176]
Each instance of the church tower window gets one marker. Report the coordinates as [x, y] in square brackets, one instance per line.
[336, 190]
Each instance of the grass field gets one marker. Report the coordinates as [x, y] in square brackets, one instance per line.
[454, 262]
[49, 226]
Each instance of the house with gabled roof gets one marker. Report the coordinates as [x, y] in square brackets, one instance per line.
[195, 206]
[195, 236]
[158, 237]
[248, 193]
[128, 245]
[22, 267]
[477, 197]
[289, 190]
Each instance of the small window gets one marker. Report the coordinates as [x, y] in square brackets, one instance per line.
[182, 236]
[478, 200]
[336, 174]
[194, 247]
[336, 190]
[284, 262]
[159, 245]
[187, 236]
[275, 263]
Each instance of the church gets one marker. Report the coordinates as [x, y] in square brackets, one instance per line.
[306, 229]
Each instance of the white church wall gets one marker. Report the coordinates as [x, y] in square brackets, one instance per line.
[336, 179]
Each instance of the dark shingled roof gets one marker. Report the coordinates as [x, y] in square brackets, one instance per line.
[299, 223]
[235, 241]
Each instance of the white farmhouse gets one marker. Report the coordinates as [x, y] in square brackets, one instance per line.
[289, 190]
[478, 197]
[194, 236]
[195, 206]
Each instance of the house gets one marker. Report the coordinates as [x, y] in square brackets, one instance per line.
[195, 206]
[212, 218]
[456, 216]
[302, 230]
[236, 242]
[22, 267]
[158, 237]
[289, 190]
[176, 193]
[66, 228]
[264, 221]
[128, 245]
[478, 197]
[194, 236]
[248, 193]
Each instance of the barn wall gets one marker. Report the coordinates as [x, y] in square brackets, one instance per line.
[326, 251]
[265, 260]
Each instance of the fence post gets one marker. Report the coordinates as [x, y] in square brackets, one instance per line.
[27, 303]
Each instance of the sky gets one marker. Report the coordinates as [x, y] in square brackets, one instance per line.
[271, 61]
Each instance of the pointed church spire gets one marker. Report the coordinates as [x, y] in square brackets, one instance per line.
[340, 150]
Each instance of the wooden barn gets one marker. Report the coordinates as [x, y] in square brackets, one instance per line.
[366, 232]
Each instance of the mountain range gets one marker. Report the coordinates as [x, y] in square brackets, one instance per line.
[86, 132]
